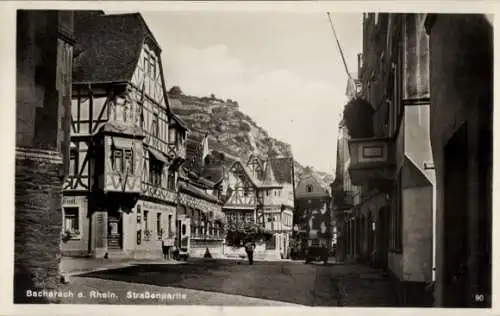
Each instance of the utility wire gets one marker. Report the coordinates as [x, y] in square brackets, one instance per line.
[338, 44]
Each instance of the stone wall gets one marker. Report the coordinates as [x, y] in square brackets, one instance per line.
[38, 223]
[43, 97]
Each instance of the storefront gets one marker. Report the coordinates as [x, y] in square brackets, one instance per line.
[206, 221]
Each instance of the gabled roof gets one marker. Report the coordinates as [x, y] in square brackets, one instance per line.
[177, 119]
[317, 179]
[108, 46]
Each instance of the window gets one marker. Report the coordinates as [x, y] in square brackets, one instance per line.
[152, 72]
[249, 217]
[123, 160]
[155, 171]
[155, 125]
[158, 224]
[169, 227]
[118, 160]
[171, 180]
[71, 220]
[73, 162]
[267, 192]
[129, 161]
[146, 221]
[309, 188]
[146, 63]
[172, 136]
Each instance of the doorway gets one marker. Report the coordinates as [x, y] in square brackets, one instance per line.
[455, 230]
[382, 233]
[115, 231]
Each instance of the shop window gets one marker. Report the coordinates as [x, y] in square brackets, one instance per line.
[71, 220]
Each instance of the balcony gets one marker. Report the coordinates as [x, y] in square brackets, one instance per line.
[343, 200]
[372, 161]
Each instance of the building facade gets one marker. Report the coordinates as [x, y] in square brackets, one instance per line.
[261, 192]
[429, 207]
[200, 204]
[120, 197]
[391, 156]
[344, 196]
[461, 77]
[311, 196]
[45, 41]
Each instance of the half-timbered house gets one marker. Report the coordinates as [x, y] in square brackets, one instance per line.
[126, 146]
[254, 194]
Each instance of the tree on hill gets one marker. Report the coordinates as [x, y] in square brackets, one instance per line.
[175, 90]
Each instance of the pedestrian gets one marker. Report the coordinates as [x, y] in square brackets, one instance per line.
[164, 247]
[249, 248]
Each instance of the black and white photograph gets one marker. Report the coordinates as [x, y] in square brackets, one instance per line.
[314, 158]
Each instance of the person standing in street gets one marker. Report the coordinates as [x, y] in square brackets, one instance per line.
[164, 247]
[249, 248]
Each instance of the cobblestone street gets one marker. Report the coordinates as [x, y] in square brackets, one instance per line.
[230, 282]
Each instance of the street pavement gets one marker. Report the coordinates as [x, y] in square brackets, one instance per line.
[231, 282]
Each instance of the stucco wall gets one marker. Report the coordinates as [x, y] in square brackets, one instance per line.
[461, 76]
[79, 245]
[395, 263]
[417, 234]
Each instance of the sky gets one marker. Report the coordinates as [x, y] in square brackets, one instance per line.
[283, 68]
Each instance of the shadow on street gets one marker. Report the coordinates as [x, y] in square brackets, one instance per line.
[305, 284]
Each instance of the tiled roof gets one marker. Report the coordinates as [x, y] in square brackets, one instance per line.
[269, 180]
[179, 120]
[192, 189]
[108, 47]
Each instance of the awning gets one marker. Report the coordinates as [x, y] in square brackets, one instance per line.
[158, 155]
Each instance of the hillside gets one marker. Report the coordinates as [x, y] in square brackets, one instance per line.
[229, 129]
